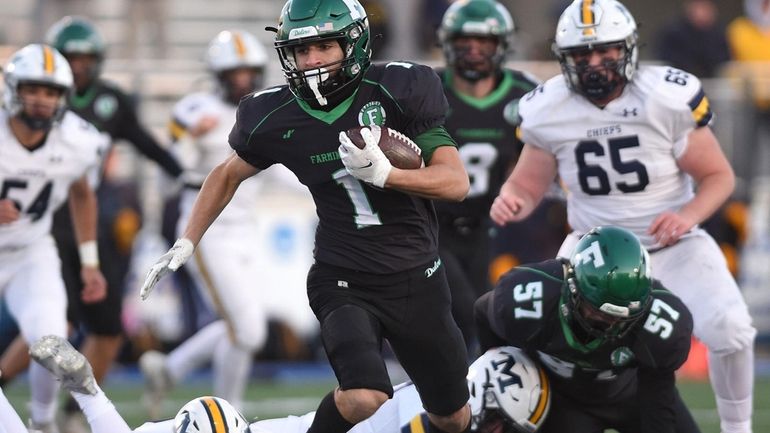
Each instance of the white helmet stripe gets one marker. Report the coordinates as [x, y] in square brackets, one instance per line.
[354, 12]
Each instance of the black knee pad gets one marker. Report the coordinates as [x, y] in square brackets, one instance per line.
[352, 339]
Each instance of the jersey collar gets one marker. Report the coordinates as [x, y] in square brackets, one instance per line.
[490, 100]
[330, 116]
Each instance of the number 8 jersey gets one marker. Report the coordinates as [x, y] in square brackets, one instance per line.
[619, 163]
[38, 180]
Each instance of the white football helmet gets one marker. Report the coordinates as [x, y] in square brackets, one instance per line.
[36, 64]
[507, 390]
[209, 415]
[587, 24]
[232, 49]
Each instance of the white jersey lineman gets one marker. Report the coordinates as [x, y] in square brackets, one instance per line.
[619, 165]
[38, 181]
[224, 265]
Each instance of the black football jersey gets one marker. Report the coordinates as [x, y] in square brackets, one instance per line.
[487, 142]
[360, 227]
[525, 311]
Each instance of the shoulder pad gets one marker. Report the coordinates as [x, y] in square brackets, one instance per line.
[667, 329]
[82, 136]
[536, 107]
[676, 90]
[189, 110]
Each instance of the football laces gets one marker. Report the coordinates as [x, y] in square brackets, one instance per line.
[399, 136]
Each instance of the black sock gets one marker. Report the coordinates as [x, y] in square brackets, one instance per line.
[328, 418]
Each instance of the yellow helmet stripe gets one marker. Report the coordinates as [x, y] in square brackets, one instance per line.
[48, 60]
[587, 14]
[215, 415]
[587, 17]
[240, 47]
[542, 403]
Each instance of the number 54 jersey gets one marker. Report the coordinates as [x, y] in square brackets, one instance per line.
[528, 309]
[619, 163]
[38, 181]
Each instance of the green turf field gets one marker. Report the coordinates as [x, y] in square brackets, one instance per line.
[266, 400]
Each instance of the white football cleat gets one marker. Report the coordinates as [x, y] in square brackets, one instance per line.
[157, 381]
[58, 356]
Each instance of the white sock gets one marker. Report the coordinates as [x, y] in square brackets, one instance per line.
[232, 365]
[44, 389]
[196, 350]
[9, 418]
[732, 378]
[101, 413]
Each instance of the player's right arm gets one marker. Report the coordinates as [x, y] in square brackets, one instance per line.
[217, 191]
[535, 170]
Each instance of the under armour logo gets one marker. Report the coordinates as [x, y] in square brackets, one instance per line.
[288, 133]
[632, 112]
[56, 159]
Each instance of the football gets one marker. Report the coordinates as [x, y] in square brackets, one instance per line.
[400, 150]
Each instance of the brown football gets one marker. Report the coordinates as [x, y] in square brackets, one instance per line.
[400, 150]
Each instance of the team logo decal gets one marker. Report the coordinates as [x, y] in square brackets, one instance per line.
[621, 356]
[105, 106]
[372, 114]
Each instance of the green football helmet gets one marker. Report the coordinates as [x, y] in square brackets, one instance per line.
[609, 283]
[485, 18]
[76, 35]
[307, 21]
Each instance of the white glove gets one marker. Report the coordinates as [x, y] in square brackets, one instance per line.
[368, 164]
[169, 262]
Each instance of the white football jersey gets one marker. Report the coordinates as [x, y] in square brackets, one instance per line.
[38, 181]
[211, 148]
[619, 163]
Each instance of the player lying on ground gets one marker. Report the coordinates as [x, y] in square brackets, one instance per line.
[508, 393]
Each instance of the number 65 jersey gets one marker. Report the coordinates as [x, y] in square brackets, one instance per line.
[38, 181]
[619, 163]
[528, 309]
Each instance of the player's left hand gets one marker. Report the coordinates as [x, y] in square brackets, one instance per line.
[368, 164]
[8, 211]
[669, 227]
[94, 285]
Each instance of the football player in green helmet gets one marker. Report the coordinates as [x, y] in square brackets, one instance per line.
[476, 37]
[82, 44]
[377, 272]
[609, 336]
[337, 22]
